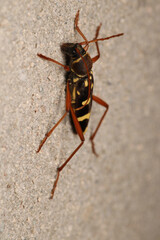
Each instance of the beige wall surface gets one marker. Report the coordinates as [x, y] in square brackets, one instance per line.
[114, 196]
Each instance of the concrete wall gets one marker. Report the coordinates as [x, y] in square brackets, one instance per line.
[112, 197]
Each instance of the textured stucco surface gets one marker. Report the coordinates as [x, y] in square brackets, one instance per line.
[112, 197]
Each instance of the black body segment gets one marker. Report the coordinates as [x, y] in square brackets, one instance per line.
[80, 79]
[79, 67]
[79, 88]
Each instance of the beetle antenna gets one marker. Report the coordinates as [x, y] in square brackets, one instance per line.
[102, 39]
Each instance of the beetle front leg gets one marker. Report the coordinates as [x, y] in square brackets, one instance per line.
[67, 68]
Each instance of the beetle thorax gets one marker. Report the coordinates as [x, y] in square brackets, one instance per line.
[82, 65]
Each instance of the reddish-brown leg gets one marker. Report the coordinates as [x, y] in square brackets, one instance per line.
[68, 101]
[50, 132]
[80, 133]
[79, 31]
[104, 104]
[96, 36]
[67, 68]
[78, 129]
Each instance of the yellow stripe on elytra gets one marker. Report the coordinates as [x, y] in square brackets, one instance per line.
[78, 92]
[74, 93]
[75, 80]
[86, 83]
[79, 75]
[83, 103]
[78, 59]
[80, 119]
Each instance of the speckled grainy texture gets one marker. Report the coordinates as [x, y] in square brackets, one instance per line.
[112, 197]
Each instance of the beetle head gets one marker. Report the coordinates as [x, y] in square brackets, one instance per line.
[70, 50]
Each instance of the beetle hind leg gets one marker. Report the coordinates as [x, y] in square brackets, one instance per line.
[104, 104]
[81, 136]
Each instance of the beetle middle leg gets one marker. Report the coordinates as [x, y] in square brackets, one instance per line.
[68, 100]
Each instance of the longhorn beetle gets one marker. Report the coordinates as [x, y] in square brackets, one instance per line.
[79, 89]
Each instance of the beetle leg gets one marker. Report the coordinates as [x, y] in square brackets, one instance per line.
[79, 31]
[96, 36]
[80, 133]
[67, 68]
[68, 101]
[50, 132]
[104, 104]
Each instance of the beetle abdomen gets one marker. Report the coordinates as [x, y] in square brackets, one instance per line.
[79, 89]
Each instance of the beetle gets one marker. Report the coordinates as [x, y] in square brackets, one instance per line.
[79, 89]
